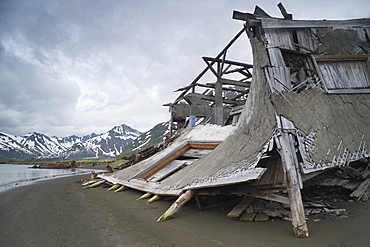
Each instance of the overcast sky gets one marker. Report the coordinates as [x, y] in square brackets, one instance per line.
[83, 66]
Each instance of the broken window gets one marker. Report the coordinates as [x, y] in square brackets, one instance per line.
[345, 74]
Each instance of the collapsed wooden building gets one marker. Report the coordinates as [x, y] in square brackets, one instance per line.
[300, 116]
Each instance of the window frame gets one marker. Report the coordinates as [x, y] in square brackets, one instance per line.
[340, 58]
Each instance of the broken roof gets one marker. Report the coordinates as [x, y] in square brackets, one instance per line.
[299, 86]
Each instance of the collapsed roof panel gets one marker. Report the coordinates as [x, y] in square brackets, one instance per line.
[334, 129]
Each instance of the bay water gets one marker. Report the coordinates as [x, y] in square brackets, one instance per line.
[18, 175]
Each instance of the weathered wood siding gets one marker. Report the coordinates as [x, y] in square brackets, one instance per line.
[345, 74]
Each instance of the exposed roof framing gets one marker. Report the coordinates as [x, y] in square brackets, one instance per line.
[223, 93]
[276, 23]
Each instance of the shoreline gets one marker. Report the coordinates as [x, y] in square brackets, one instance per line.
[59, 212]
[82, 170]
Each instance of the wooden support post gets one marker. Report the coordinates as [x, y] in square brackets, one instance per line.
[146, 195]
[114, 187]
[95, 184]
[175, 207]
[154, 198]
[296, 205]
[122, 188]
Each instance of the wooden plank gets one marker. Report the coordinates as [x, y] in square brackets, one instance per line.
[278, 23]
[361, 189]
[261, 217]
[248, 216]
[234, 178]
[235, 83]
[276, 57]
[352, 185]
[212, 98]
[162, 163]
[168, 170]
[366, 173]
[240, 207]
[296, 205]
[366, 195]
[270, 197]
[196, 153]
[282, 23]
[340, 58]
[332, 182]
[203, 145]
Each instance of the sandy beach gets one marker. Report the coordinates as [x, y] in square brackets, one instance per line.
[59, 212]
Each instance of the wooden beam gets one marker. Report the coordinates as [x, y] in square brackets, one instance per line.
[242, 71]
[175, 207]
[241, 16]
[206, 69]
[245, 65]
[210, 67]
[283, 11]
[230, 179]
[340, 58]
[196, 145]
[235, 83]
[226, 101]
[158, 166]
[293, 186]
[270, 197]
[282, 23]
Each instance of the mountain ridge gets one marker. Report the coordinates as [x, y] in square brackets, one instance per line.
[40, 146]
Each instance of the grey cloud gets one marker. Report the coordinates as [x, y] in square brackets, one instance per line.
[76, 67]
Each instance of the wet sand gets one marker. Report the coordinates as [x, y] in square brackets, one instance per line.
[59, 212]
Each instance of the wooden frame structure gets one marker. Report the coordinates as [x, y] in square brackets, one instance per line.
[217, 101]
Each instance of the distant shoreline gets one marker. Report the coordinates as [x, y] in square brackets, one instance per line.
[82, 170]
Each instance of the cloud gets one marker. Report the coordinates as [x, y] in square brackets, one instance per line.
[76, 67]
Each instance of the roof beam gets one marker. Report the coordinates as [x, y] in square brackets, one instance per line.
[282, 23]
[249, 66]
[235, 83]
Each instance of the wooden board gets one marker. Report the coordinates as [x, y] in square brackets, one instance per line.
[196, 153]
[240, 207]
[234, 178]
[169, 169]
[261, 217]
[248, 216]
[361, 189]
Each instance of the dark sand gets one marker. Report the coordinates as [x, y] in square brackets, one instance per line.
[59, 212]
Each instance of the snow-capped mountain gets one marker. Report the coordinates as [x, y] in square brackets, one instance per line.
[151, 137]
[37, 145]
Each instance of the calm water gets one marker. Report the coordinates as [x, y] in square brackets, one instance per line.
[17, 175]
